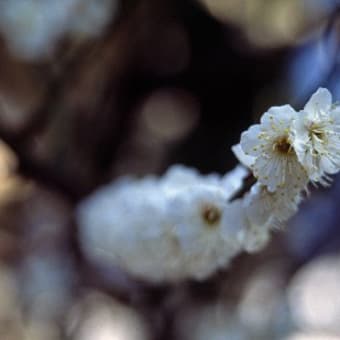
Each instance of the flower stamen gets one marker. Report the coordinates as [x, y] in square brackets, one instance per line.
[283, 146]
[211, 215]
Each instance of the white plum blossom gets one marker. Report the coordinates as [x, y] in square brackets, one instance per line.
[165, 229]
[270, 142]
[317, 136]
[185, 225]
[262, 204]
[202, 227]
[264, 211]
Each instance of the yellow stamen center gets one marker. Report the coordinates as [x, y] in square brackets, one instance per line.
[317, 131]
[211, 215]
[282, 145]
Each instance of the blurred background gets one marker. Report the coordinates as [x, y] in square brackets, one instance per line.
[94, 89]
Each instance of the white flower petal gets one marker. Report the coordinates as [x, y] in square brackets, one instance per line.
[278, 116]
[321, 100]
[250, 141]
[261, 205]
[317, 137]
[244, 159]
[232, 181]
[256, 238]
[335, 117]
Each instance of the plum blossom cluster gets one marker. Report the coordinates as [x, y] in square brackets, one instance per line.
[185, 225]
[164, 229]
[289, 149]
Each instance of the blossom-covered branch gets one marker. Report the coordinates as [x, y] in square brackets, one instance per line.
[185, 225]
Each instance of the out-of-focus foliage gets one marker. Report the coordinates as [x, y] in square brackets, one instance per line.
[273, 23]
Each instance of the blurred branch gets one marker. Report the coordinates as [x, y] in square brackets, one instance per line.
[19, 140]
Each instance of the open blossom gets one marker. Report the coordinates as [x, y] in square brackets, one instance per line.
[317, 136]
[165, 229]
[262, 205]
[270, 142]
[264, 211]
[204, 228]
